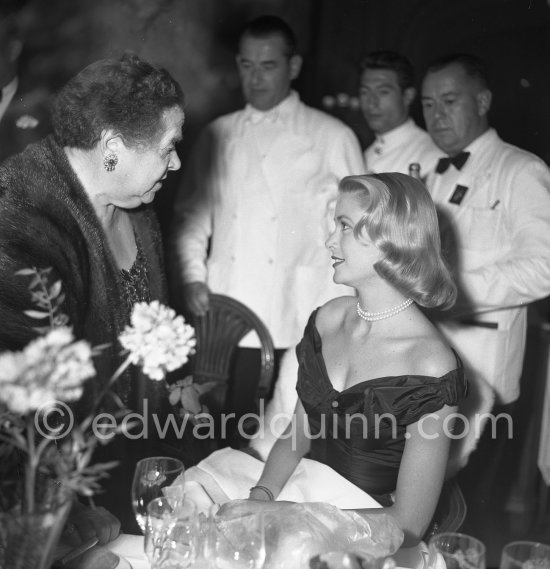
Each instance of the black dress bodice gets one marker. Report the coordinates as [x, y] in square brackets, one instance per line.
[135, 281]
[133, 386]
[360, 431]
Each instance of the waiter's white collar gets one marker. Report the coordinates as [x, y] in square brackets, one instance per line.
[281, 112]
[394, 136]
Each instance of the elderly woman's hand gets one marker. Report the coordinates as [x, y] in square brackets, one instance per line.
[85, 522]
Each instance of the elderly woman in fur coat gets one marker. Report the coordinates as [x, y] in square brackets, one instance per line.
[79, 202]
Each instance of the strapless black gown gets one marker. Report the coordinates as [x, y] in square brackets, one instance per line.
[367, 448]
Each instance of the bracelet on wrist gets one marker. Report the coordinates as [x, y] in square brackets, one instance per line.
[266, 490]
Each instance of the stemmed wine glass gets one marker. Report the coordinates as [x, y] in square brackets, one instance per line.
[154, 477]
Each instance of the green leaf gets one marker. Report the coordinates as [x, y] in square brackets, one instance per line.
[36, 314]
[55, 289]
[205, 387]
[96, 350]
[39, 297]
[42, 330]
[35, 281]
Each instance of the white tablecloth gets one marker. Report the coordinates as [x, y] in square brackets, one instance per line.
[130, 547]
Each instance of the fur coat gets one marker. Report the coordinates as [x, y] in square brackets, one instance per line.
[47, 220]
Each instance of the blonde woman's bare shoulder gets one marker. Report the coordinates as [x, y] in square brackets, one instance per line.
[433, 356]
[332, 313]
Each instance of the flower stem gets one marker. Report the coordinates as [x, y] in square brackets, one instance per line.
[121, 368]
[50, 307]
[30, 470]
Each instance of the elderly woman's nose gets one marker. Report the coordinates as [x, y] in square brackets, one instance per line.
[175, 162]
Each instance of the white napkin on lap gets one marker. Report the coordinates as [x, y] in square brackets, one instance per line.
[235, 472]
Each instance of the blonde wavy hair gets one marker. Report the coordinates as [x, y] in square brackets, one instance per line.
[401, 220]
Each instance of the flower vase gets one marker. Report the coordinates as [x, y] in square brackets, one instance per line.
[28, 541]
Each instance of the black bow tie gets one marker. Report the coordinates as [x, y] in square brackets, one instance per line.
[457, 161]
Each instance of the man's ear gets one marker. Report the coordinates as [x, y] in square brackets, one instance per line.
[484, 99]
[408, 95]
[295, 63]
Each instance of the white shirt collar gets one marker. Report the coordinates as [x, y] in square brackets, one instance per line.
[282, 111]
[478, 143]
[395, 135]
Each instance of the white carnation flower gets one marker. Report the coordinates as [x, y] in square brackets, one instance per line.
[157, 339]
[52, 367]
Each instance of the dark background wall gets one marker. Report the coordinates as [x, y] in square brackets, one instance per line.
[512, 36]
[195, 40]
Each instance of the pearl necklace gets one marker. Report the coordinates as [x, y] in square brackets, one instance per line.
[374, 316]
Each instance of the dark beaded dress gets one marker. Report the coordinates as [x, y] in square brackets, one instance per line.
[135, 282]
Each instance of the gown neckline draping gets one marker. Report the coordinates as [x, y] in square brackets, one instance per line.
[360, 430]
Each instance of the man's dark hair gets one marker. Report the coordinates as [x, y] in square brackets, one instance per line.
[393, 61]
[472, 65]
[268, 25]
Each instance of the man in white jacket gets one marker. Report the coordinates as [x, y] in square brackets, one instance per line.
[494, 203]
[386, 92]
[256, 202]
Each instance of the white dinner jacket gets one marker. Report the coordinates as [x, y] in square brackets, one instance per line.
[396, 150]
[262, 199]
[498, 242]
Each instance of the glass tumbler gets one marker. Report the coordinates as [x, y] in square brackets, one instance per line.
[525, 555]
[237, 542]
[171, 533]
[456, 551]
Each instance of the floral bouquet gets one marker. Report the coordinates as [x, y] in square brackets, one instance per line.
[44, 460]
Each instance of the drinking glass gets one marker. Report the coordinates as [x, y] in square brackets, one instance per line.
[237, 542]
[153, 477]
[171, 533]
[457, 550]
[525, 555]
